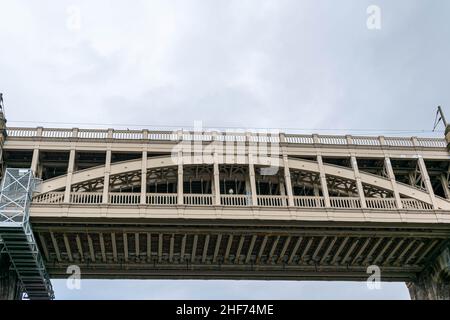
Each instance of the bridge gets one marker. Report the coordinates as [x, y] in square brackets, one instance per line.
[145, 204]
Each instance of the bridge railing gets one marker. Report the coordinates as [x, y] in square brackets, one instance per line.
[381, 203]
[129, 198]
[236, 200]
[309, 202]
[124, 198]
[345, 202]
[413, 204]
[86, 197]
[49, 197]
[162, 198]
[161, 135]
[272, 201]
[198, 199]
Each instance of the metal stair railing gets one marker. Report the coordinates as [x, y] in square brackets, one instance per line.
[16, 234]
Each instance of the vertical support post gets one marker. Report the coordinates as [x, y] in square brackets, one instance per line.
[105, 198]
[426, 180]
[323, 181]
[251, 173]
[69, 176]
[359, 185]
[34, 161]
[287, 180]
[216, 178]
[391, 176]
[180, 178]
[144, 177]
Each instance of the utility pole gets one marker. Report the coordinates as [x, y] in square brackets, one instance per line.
[440, 116]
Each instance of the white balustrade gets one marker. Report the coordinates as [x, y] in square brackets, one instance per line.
[60, 133]
[332, 139]
[381, 203]
[127, 134]
[49, 197]
[161, 198]
[86, 197]
[236, 200]
[413, 204]
[92, 134]
[365, 141]
[399, 142]
[272, 201]
[21, 132]
[124, 198]
[432, 142]
[345, 202]
[57, 133]
[309, 202]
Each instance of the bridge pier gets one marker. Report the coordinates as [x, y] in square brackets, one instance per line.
[9, 285]
[434, 282]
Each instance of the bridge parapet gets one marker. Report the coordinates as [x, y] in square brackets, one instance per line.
[161, 135]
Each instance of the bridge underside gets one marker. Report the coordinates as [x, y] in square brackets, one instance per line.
[225, 249]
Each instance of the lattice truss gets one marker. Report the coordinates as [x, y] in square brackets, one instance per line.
[306, 183]
[303, 182]
[416, 178]
[16, 234]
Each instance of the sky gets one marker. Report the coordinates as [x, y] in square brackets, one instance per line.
[312, 66]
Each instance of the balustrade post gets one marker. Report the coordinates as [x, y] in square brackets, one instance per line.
[75, 132]
[145, 134]
[349, 139]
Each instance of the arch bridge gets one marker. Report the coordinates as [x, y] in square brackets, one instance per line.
[241, 205]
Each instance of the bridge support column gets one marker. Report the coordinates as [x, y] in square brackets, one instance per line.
[287, 180]
[106, 176]
[216, 180]
[180, 193]
[144, 178]
[426, 180]
[391, 176]
[251, 173]
[9, 285]
[434, 282]
[323, 181]
[69, 176]
[359, 185]
[34, 162]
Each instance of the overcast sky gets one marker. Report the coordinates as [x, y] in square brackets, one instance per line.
[310, 65]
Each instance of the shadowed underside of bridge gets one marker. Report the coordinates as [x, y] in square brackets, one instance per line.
[203, 249]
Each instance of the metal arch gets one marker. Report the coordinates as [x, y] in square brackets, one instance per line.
[296, 164]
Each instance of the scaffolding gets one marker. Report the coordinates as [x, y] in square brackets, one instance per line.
[16, 236]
